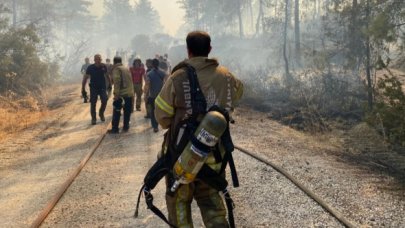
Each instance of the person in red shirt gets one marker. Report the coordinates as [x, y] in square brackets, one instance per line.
[137, 72]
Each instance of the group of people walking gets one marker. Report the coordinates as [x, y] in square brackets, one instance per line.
[177, 102]
[130, 84]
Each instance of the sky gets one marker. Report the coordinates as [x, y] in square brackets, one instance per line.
[171, 15]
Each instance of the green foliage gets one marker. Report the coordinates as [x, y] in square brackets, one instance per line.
[122, 21]
[147, 18]
[213, 16]
[389, 112]
[381, 28]
[21, 69]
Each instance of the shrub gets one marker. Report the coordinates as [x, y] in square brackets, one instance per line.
[388, 114]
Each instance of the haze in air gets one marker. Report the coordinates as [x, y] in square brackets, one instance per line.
[305, 61]
[324, 84]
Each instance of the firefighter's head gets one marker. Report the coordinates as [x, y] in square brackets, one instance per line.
[87, 60]
[198, 44]
[117, 60]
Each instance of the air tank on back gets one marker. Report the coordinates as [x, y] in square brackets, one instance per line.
[192, 158]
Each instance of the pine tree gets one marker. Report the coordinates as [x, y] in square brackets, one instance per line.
[147, 20]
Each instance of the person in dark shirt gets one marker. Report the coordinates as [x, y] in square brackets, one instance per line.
[97, 73]
[155, 80]
[149, 67]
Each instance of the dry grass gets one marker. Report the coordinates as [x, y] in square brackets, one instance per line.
[18, 115]
[392, 72]
[23, 113]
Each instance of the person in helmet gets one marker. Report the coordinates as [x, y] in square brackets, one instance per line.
[173, 106]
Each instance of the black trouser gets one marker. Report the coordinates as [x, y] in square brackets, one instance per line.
[117, 106]
[94, 93]
[151, 103]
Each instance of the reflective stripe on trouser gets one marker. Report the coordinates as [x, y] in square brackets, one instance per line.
[209, 201]
[138, 94]
[117, 106]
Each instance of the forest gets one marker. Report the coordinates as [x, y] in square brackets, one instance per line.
[306, 62]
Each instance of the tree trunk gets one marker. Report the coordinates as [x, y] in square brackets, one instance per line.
[368, 65]
[197, 17]
[326, 7]
[356, 46]
[251, 16]
[368, 74]
[275, 7]
[259, 18]
[297, 32]
[287, 71]
[14, 13]
[31, 11]
[241, 33]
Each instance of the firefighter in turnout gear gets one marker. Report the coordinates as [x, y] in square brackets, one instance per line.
[123, 95]
[173, 106]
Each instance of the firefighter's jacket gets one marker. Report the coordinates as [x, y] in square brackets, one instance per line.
[121, 77]
[173, 103]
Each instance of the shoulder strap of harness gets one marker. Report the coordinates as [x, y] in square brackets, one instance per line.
[164, 165]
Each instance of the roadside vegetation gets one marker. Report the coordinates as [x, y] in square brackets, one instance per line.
[18, 115]
[23, 75]
[313, 65]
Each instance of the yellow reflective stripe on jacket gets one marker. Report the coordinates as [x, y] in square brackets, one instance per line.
[162, 104]
[239, 91]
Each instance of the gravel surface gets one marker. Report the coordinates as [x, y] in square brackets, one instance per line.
[104, 195]
[365, 193]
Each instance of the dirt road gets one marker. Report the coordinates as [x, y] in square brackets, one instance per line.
[35, 163]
